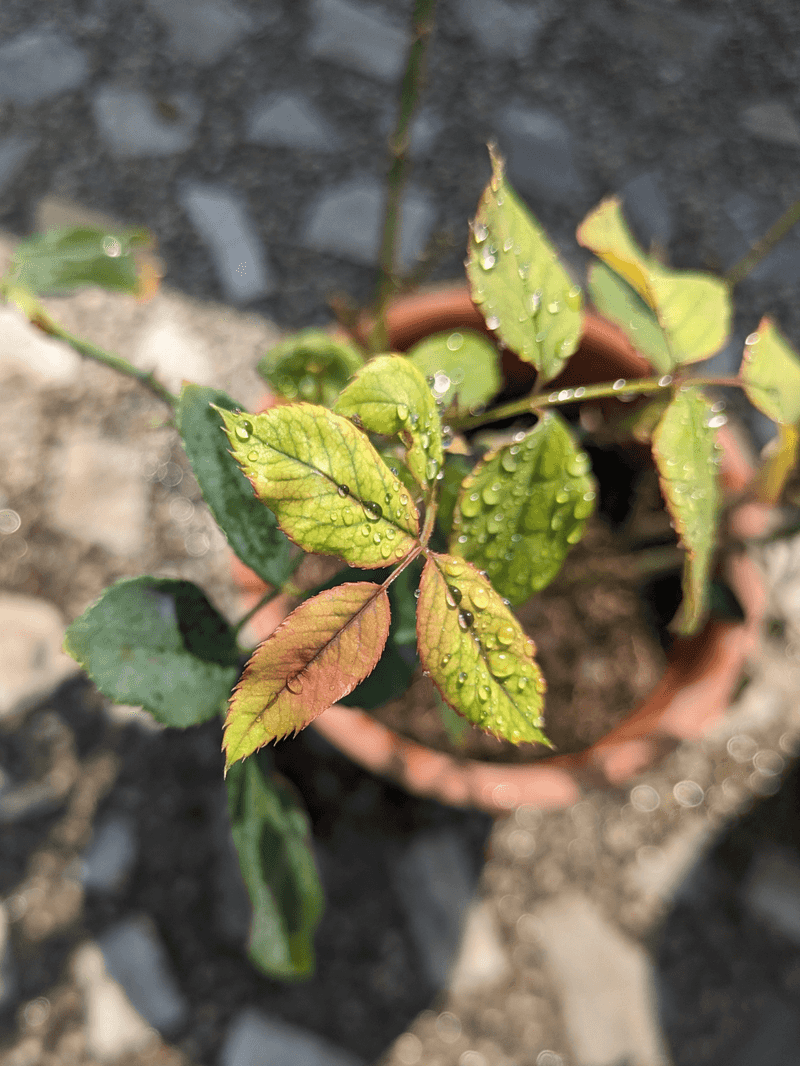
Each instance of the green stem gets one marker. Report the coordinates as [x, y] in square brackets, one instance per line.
[413, 79]
[40, 318]
[763, 247]
[268, 596]
[533, 403]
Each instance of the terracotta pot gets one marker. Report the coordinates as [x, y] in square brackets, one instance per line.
[702, 670]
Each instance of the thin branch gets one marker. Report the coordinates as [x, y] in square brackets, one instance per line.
[762, 248]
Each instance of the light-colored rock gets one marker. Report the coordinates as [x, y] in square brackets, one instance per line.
[38, 64]
[123, 714]
[434, 886]
[27, 351]
[255, 1039]
[539, 149]
[501, 29]
[131, 124]
[113, 1026]
[290, 120]
[482, 959]
[660, 871]
[771, 120]
[111, 854]
[359, 37]
[202, 31]
[14, 150]
[605, 986]
[223, 221]
[99, 494]
[772, 889]
[346, 221]
[171, 347]
[135, 957]
[8, 979]
[53, 212]
[31, 660]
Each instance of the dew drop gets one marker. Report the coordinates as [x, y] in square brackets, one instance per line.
[540, 684]
[244, 431]
[534, 301]
[522, 683]
[471, 506]
[479, 232]
[374, 510]
[295, 684]
[453, 568]
[462, 677]
[431, 469]
[446, 659]
[343, 490]
[404, 499]
[554, 307]
[491, 494]
[452, 595]
[487, 261]
[574, 297]
[483, 693]
[386, 550]
[665, 380]
[454, 342]
[377, 538]
[752, 338]
[493, 322]
[480, 598]
[508, 244]
[402, 411]
[620, 383]
[252, 456]
[365, 531]
[465, 619]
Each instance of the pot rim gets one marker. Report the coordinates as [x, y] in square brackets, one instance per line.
[693, 693]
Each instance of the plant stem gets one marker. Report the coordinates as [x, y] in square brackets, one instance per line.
[39, 317]
[532, 403]
[763, 247]
[268, 596]
[413, 79]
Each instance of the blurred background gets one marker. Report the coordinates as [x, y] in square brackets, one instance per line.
[660, 924]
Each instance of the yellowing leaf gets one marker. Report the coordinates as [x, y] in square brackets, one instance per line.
[517, 282]
[780, 462]
[477, 653]
[389, 395]
[317, 655]
[521, 510]
[771, 374]
[329, 489]
[686, 456]
[692, 309]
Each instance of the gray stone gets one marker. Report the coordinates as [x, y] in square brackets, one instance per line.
[130, 123]
[359, 37]
[647, 209]
[346, 221]
[290, 120]
[110, 856]
[113, 1026]
[27, 352]
[772, 121]
[223, 221]
[202, 30]
[482, 959]
[39, 64]
[501, 29]
[773, 1038]
[171, 346]
[255, 1039]
[435, 886]
[31, 660]
[605, 985]
[135, 957]
[8, 979]
[539, 150]
[99, 494]
[772, 890]
[14, 150]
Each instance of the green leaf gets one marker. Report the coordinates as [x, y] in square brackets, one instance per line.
[463, 367]
[687, 455]
[692, 309]
[64, 259]
[251, 528]
[456, 469]
[517, 282]
[390, 396]
[158, 643]
[329, 489]
[523, 507]
[616, 300]
[311, 365]
[477, 653]
[272, 836]
[771, 374]
[315, 656]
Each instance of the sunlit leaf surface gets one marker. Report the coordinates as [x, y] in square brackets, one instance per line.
[771, 374]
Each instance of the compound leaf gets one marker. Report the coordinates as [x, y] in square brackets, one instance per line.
[463, 367]
[315, 656]
[251, 528]
[329, 489]
[310, 365]
[272, 835]
[517, 282]
[693, 309]
[771, 374]
[157, 643]
[687, 455]
[523, 507]
[66, 258]
[477, 653]
[391, 396]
